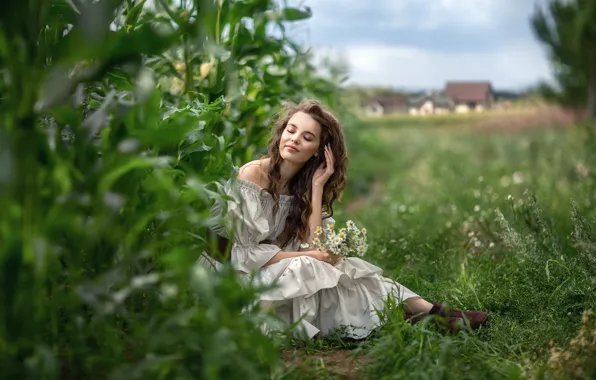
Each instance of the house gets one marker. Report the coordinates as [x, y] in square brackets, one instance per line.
[469, 96]
[385, 105]
[430, 103]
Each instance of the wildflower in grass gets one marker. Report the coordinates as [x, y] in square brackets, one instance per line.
[476, 208]
[518, 178]
[491, 245]
[581, 169]
[465, 226]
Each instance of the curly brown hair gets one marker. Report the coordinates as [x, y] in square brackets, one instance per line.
[301, 184]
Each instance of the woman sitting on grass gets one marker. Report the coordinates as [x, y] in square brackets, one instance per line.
[280, 200]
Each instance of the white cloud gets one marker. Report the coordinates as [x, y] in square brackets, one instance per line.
[502, 48]
[407, 67]
[419, 14]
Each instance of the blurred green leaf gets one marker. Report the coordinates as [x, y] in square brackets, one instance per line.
[295, 14]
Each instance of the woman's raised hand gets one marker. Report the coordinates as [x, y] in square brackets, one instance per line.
[326, 257]
[325, 170]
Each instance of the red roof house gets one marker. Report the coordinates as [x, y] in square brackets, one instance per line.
[472, 94]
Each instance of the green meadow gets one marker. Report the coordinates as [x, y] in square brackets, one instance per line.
[493, 220]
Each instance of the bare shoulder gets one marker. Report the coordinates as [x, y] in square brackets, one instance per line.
[254, 171]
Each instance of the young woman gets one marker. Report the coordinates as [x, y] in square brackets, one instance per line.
[279, 201]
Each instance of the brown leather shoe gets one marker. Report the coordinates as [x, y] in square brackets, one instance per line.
[445, 324]
[476, 318]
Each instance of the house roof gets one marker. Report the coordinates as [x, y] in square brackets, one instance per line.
[468, 91]
[439, 100]
[390, 101]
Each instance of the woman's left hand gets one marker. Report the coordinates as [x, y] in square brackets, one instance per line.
[325, 170]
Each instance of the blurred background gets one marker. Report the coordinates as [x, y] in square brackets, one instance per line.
[470, 128]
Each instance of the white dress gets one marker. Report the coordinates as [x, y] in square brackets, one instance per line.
[317, 295]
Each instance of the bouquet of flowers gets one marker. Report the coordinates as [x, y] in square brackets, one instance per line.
[349, 241]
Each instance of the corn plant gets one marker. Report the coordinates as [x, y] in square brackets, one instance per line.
[118, 122]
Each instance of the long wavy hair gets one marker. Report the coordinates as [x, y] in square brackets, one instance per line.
[301, 184]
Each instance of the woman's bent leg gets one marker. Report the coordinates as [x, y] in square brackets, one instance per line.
[417, 305]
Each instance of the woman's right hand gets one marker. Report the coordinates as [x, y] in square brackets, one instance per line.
[326, 257]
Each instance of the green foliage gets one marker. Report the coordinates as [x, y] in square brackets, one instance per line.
[568, 30]
[118, 122]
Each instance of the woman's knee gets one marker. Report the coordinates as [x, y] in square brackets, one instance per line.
[303, 260]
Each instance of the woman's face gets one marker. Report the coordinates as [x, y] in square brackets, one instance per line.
[300, 139]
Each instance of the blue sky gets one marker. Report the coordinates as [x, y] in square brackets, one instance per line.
[423, 43]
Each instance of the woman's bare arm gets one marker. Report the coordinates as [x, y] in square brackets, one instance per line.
[319, 255]
[285, 255]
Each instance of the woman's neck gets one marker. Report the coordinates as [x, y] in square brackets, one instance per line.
[287, 171]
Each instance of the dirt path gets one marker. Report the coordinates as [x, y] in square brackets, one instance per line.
[336, 364]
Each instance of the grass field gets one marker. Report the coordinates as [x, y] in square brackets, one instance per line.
[479, 219]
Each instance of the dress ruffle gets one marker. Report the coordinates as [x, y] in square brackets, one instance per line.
[321, 296]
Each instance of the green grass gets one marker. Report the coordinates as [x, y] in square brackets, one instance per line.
[437, 228]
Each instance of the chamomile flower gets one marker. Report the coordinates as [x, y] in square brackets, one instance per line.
[346, 241]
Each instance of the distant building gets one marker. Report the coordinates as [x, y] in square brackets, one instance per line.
[386, 105]
[458, 97]
[430, 103]
[470, 96]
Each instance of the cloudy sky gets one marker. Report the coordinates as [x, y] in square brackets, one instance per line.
[423, 43]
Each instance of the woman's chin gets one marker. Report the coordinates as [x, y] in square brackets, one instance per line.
[289, 158]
